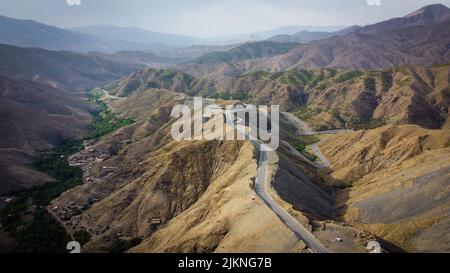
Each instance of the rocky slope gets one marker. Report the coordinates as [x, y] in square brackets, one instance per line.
[428, 15]
[301, 37]
[244, 52]
[285, 89]
[34, 118]
[148, 40]
[393, 181]
[326, 98]
[417, 45]
[420, 38]
[140, 183]
[406, 95]
[198, 190]
[62, 69]
[222, 220]
[41, 97]
[152, 78]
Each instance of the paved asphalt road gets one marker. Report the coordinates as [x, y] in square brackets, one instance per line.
[261, 190]
[261, 185]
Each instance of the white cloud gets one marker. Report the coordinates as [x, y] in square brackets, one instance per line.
[73, 2]
[374, 2]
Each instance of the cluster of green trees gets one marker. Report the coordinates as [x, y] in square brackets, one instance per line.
[106, 121]
[26, 217]
[41, 235]
[302, 143]
[370, 124]
[304, 113]
[347, 76]
[120, 246]
[82, 236]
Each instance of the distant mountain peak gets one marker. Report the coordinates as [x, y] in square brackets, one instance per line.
[436, 10]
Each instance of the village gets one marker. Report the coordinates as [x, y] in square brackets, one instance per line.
[90, 160]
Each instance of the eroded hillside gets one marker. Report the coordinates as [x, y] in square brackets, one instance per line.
[139, 183]
[326, 98]
[34, 118]
[394, 182]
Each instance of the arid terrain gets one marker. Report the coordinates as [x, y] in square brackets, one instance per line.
[393, 181]
[87, 154]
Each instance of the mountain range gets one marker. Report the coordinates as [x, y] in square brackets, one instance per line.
[420, 38]
[110, 39]
[364, 129]
[103, 38]
[335, 99]
[62, 69]
[263, 35]
[29, 33]
[138, 36]
[428, 15]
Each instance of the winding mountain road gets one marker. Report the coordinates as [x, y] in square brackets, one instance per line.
[262, 183]
[303, 129]
[261, 187]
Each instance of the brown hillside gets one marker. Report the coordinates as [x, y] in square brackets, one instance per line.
[408, 95]
[394, 182]
[327, 98]
[205, 186]
[34, 118]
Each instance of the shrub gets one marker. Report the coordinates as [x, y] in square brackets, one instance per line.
[120, 246]
[82, 236]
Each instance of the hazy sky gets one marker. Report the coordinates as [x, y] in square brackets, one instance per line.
[206, 18]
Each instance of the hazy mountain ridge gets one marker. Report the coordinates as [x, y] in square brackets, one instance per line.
[245, 52]
[264, 35]
[428, 15]
[423, 46]
[41, 97]
[62, 69]
[29, 33]
[301, 37]
[34, 118]
[139, 36]
[421, 38]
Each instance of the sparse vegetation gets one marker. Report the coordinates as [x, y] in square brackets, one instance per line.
[82, 236]
[404, 82]
[370, 124]
[240, 95]
[302, 143]
[121, 246]
[131, 86]
[304, 113]
[300, 147]
[386, 80]
[297, 79]
[252, 183]
[337, 115]
[347, 76]
[41, 235]
[106, 121]
[26, 218]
